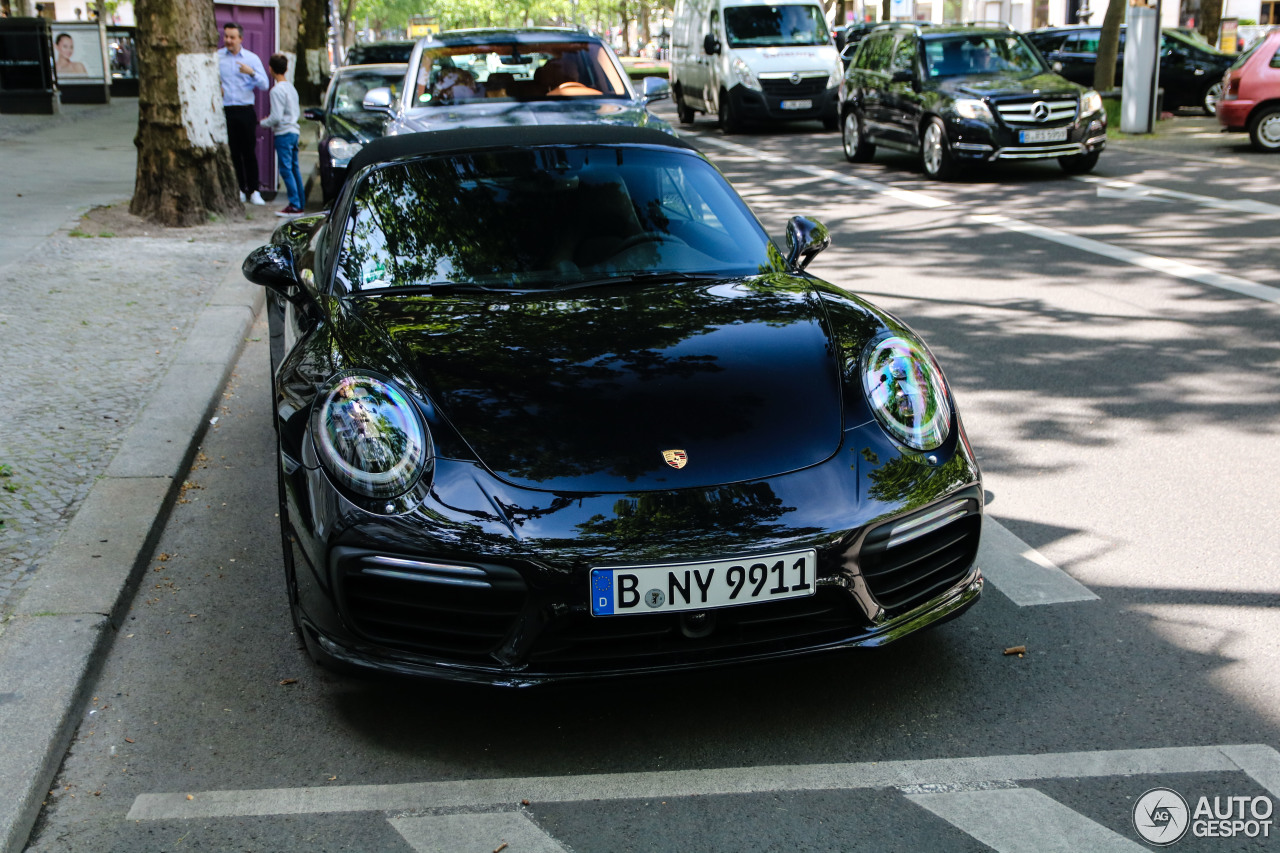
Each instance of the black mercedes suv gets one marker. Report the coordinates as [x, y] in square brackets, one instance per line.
[960, 95]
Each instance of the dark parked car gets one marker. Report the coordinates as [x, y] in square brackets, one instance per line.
[1190, 69]
[1251, 94]
[538, 75]
[960, 95]
[344, 125]
[379, 52]
[550, 404]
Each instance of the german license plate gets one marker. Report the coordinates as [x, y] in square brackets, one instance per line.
[797, 105]
[1046, 134]
[622, 590]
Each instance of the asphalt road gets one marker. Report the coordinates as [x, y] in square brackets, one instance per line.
[1113, 346]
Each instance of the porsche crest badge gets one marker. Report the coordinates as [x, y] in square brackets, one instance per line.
[676, 458]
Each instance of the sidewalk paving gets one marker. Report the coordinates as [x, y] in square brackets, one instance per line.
[117, 340]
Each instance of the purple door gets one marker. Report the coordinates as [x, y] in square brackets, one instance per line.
[259, 23]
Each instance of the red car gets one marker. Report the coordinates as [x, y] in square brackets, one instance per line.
[1251, 94]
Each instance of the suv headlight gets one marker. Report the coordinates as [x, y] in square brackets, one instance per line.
[369, 437]
[907, 392]
[1090, 102]
[742, 72]
[973, 108]
[341, 151]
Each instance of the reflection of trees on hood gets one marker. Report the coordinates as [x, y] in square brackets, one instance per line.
[713, 521]
[903, 480]
[552, 388]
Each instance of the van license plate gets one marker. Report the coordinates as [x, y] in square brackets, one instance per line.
[1048, 134]
[797, 105]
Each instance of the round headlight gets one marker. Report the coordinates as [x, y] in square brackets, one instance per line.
[906, 391]
[341, 151]
[369, 437]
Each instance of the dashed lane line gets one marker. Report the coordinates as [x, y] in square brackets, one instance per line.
[1259, 761]
[513, 831]
[1167, 266]
[1115, 188]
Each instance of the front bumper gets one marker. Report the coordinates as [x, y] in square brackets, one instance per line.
[752, 105]
[439, 597]
[977, 140]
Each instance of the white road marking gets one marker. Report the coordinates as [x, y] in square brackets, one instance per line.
[1023, 573]
[483, 832]
[1114, 188]
[909, 196]
[1259, 761]
[1022, 820]
[1177, 269]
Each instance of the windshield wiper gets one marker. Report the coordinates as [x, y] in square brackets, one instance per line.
[646, 278]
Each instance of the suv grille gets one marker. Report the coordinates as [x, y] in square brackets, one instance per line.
[581, 640]
[782, 87]
[452, 611]
[1022, 112]
[910, 560]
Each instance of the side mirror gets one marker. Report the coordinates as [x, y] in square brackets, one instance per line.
[805, 239]
[654, 89]
[313, 114]
[710, 44]
[377, 100]
[272, 267]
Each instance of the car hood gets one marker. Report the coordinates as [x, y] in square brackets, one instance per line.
[586, 391]
[498, 113]
[357, 125]
[816, 57]
[1004, 85]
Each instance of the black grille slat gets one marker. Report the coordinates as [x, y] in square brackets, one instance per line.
[911, 573]
[806, 88]
[414, 611]
[582, 639]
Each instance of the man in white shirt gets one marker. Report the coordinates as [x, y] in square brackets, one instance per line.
[283, 122]
[241, 73]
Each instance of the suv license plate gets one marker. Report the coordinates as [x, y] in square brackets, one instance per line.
[624, 590]
[1048, 134]
[797, 105]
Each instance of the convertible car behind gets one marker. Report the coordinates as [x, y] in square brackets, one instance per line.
[551, 404]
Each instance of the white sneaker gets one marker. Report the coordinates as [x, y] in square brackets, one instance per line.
[242, 198]
[255, 198]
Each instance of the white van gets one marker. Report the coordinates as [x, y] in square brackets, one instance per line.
[752, 60]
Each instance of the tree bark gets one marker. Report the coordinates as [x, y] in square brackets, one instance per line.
[1104, 73]
[312, 74]
[184, 166]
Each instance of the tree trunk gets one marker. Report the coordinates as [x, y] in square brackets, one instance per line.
[184, 165]
[1104, 73]
[312, 74]
[1210, 19]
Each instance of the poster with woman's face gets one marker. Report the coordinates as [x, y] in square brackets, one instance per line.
[77, 53]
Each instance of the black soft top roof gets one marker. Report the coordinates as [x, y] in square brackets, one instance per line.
[389, 148]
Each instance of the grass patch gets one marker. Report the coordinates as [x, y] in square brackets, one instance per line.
[76, 232]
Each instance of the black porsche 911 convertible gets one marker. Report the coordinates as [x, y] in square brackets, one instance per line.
[552, 405]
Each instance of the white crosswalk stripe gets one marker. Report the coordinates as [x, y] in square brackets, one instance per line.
[483, 832]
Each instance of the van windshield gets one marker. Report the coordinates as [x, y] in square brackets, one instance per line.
[775, 26]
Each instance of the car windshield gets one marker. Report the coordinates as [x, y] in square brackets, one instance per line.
[542, 217]
[980, 53]
[352, 84]
[517, 72]
[775, 26]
